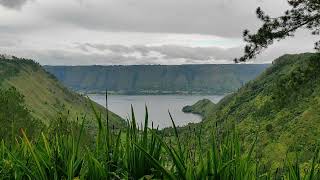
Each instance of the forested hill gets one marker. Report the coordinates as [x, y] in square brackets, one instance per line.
[158, 79]
[24, 83]
[280, 108]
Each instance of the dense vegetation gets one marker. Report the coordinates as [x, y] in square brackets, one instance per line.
[158, 79]
[136, 154]
[14, 115]
[280, 108]
[268, 129]
[202, 107]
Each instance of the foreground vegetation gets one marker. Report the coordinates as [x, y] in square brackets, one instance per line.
[136, 154]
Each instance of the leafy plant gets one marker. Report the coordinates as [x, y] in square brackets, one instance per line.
[135, 153]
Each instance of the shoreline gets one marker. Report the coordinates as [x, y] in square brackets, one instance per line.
[155, 94]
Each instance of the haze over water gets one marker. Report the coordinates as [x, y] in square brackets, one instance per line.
[158, 106]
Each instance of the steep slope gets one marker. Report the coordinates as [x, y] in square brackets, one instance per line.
[281, 108]
[44, 96]
[157, 79]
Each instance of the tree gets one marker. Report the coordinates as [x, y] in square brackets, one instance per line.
[304, 14]
[14, 115]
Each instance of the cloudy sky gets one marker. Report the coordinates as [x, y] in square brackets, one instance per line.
[84, 32]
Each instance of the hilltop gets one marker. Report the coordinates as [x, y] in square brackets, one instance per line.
[158, 79]
[280, 108]
[45, 97]
[202, 107]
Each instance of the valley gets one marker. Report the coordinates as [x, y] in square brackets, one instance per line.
[158, 107]
[159, 90]
[275, 115]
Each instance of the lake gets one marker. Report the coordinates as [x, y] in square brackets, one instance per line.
[158, 106]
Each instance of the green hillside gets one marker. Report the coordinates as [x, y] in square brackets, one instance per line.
[158, 79]
[281, 108]
[202, 107]
[44, 96]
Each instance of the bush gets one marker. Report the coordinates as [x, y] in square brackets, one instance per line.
[14, 115]
[187, 109]
[269, 127]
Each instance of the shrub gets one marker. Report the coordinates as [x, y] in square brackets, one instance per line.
[14, 115]
[269, 127]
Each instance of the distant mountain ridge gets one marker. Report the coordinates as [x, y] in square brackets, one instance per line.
[158, 79]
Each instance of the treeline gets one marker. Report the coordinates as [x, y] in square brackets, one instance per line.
[11, 67]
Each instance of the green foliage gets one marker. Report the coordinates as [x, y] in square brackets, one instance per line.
[235, 141]
[157, 79]
[7, 70]
[201, 107]
[14, 115]
[269, 127]
[304, 14]
[136, 154]
[187, 109]
[281, 107]
[45, 97]
[64, 126]
[292, 86]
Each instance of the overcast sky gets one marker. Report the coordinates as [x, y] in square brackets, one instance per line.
[85, 32]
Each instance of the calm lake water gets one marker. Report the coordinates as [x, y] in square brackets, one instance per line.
[158, 106]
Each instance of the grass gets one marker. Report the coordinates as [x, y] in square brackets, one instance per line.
[45, 97]
[137, 153]
[282, 104]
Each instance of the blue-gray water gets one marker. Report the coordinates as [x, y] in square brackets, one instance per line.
[158, 106]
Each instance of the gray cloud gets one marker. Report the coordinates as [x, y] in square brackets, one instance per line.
[101, 54]
[65, 57]
[219, 17]
[62, 57]
[208, 54]
[197, 53]
[47, 29]
[14, 4]
[8, 42]
[168, 51]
